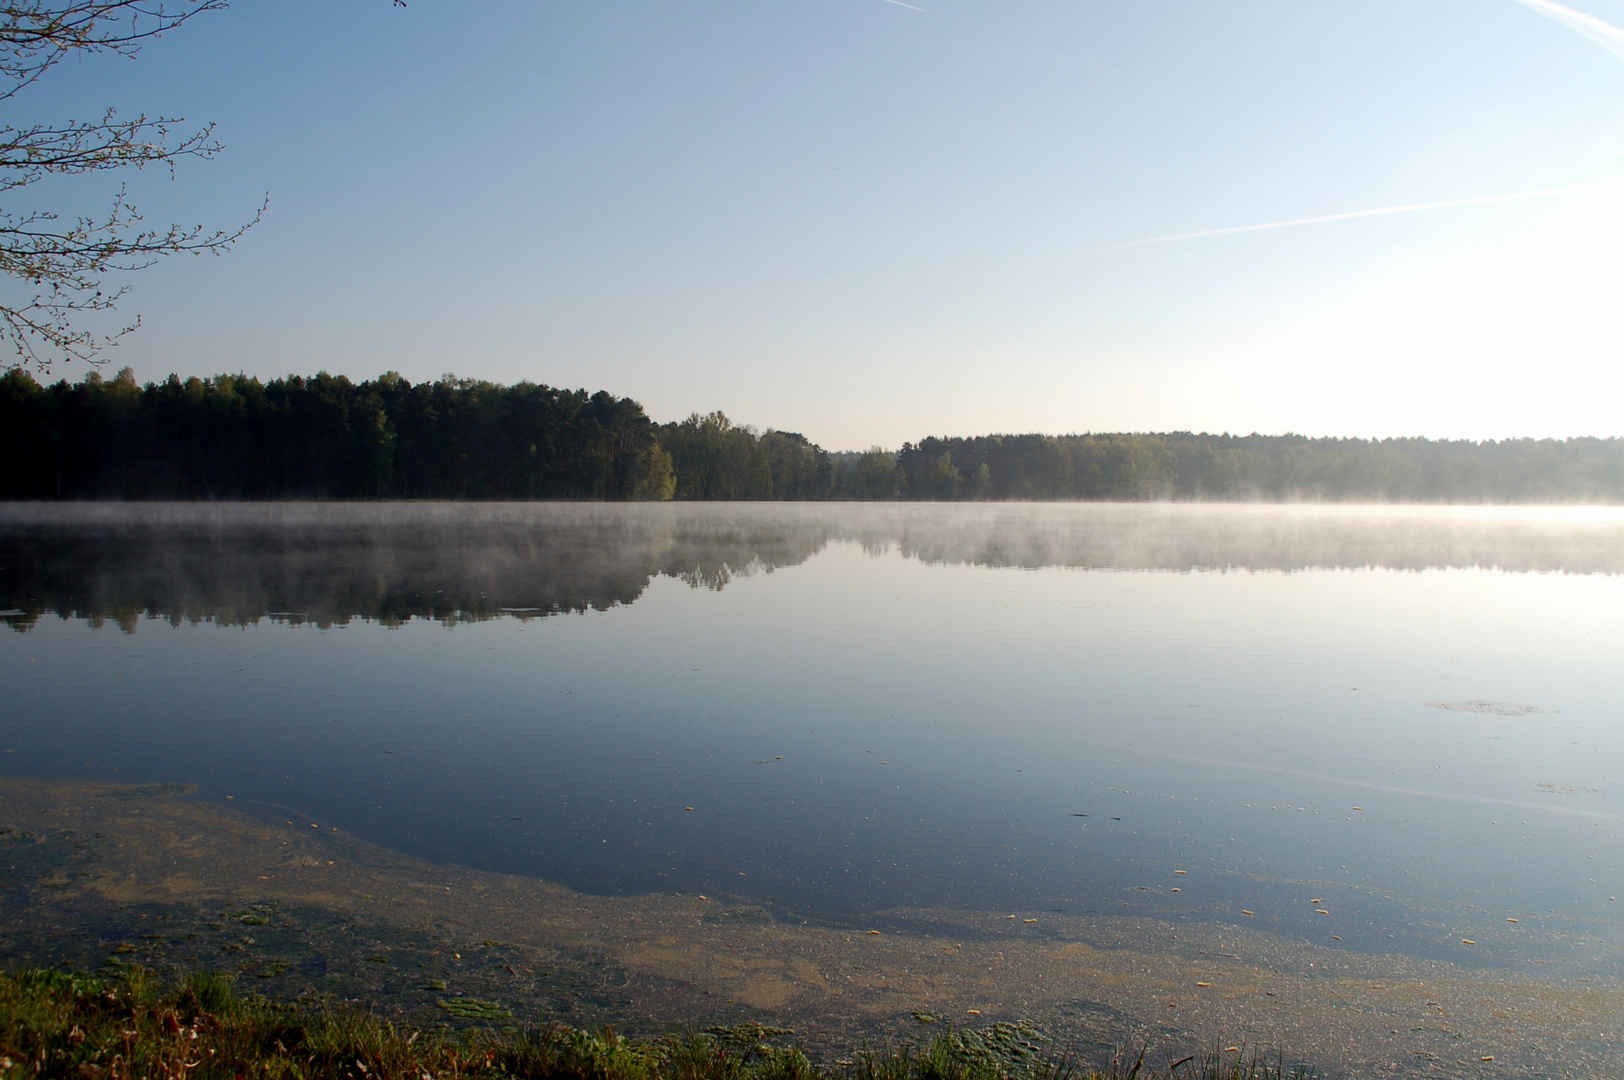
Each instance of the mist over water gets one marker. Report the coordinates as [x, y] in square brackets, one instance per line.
[454, 561]
[1409, 716]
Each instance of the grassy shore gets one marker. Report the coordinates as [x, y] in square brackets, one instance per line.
[201, 1028]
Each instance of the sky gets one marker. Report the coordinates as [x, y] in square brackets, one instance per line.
[870, 221]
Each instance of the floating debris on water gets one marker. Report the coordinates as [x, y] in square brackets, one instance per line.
[1492, 708]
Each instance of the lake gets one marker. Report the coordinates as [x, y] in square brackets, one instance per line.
[1335, 780]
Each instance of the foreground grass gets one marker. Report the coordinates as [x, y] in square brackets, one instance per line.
[83, 1028]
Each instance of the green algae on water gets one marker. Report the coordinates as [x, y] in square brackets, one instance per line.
[467, 1008]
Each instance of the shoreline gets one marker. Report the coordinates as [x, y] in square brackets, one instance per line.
[153, 877]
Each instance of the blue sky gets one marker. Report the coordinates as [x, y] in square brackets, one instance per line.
[871, 223]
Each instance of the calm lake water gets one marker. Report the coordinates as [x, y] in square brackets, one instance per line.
[1380, 731]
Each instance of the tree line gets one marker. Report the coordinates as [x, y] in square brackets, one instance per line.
[1182, 465]
[326, 437]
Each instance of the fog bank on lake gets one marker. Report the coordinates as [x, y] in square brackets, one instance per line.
[395, 561]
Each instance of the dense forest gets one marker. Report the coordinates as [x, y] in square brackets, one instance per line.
[325, 437]
[233, 437]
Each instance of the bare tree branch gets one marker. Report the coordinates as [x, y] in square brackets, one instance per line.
[66, 265]
[27, 155]
[35, 35]
[63, 260]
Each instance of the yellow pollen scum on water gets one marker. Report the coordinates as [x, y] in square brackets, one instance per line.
[380, 918]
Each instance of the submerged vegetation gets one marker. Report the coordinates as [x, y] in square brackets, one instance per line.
[131, 1028]
[325, 437]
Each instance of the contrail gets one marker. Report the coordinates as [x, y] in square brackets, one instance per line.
[1382, 211]
[910, 7]
[1604, 34]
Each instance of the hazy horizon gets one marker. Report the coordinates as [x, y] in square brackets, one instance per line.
[759, 425]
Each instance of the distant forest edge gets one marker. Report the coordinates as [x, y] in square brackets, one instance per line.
[325, 437]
